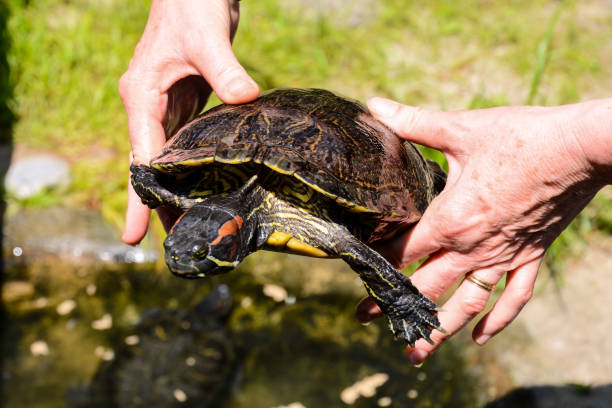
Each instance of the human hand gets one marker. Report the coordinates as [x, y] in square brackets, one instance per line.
[517, 177]
[185, 51]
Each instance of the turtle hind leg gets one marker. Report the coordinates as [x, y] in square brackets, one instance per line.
[411, 315]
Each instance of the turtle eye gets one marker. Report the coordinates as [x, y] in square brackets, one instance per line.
[199, 251]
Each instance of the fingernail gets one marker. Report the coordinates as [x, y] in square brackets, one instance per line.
[373, 311]
[239, 87]
[482, 339]
[366, 314]
[383, 107]
[416, 356]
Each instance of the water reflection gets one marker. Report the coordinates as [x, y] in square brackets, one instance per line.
[172, 357]
[69, 338]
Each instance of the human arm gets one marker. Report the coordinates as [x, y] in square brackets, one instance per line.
[184, 53]
[517, 177]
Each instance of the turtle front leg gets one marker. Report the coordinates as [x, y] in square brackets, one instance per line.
[146, 184]
[411, 315]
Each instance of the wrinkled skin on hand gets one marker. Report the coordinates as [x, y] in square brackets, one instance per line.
[185, 52]
[517, 177]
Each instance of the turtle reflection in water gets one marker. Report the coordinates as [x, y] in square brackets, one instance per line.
[181, 358]
[302, 171]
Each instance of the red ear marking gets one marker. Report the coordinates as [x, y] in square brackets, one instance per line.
[230, 227]
[238, 220]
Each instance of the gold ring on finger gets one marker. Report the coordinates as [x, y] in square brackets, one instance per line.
[489, 287]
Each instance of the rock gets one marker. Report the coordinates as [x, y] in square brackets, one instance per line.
[41, 302]
[66, 307]
[104, 353]
[384, 402]
[179, 395]
[276, 292]
[363, 388]
[32, 174]
[293, 405]
[39, 348]
[564, 396]
[132, 340]
[16, 290]
[91, 289]
[103, 323]
[77, 236]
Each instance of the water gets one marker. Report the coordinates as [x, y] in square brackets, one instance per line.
[72, 339]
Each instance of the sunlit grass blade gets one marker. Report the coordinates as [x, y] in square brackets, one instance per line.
[542, 56]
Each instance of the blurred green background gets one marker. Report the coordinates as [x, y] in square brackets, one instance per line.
[60, 62]
[65, 58]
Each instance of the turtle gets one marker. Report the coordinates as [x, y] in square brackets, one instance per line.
[172, 357]
[301, 171]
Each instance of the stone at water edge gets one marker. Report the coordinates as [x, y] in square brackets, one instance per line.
[32, 174]
[76, 236]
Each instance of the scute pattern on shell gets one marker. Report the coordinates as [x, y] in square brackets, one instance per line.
[325, 140]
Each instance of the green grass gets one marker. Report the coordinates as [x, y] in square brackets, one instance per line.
[6, 92]
[66, 57]
[542, 56]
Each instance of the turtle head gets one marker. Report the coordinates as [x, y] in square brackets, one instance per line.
[205, 241]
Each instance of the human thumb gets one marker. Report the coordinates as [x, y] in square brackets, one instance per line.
[422, 126]
[224, 73]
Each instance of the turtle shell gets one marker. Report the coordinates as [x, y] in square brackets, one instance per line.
[328, 142]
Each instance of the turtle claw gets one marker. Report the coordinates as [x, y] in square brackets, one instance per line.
[426, 337]
[412, 316]
[411, 330]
